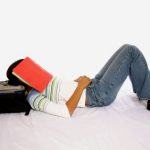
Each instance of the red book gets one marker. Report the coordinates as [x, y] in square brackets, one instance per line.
[32, 74]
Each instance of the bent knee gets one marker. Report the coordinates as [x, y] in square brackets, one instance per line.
[131, 48]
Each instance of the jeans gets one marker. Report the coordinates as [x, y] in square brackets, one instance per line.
[127, 60]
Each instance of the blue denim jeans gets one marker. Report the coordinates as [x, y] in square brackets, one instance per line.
[127, 60]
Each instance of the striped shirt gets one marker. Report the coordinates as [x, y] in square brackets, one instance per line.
[52, 100]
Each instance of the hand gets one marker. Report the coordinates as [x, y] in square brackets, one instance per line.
[83, 81]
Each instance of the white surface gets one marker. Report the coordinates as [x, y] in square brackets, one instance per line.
[71, 38]
[123, 125]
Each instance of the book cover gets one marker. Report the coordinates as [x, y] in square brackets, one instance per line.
[32, 74]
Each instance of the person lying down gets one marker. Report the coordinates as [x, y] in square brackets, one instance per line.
[56, 97]
[61, 97]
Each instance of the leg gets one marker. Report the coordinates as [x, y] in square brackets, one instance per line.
[106, 66]
[129, 61]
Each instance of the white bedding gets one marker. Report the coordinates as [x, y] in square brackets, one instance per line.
[124, 125]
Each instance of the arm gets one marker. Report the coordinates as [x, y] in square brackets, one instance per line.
[41, 103]
[72, 103]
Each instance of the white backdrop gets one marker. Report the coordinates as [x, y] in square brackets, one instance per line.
[71, 38]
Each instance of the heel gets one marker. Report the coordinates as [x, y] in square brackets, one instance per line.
[148, 104]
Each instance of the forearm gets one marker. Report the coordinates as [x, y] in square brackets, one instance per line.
[74, 99]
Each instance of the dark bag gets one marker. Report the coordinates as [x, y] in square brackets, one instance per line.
[13, 98]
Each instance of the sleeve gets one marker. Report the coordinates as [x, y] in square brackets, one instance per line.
[41, 103]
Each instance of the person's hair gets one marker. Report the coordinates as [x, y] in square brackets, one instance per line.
[13, 80]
